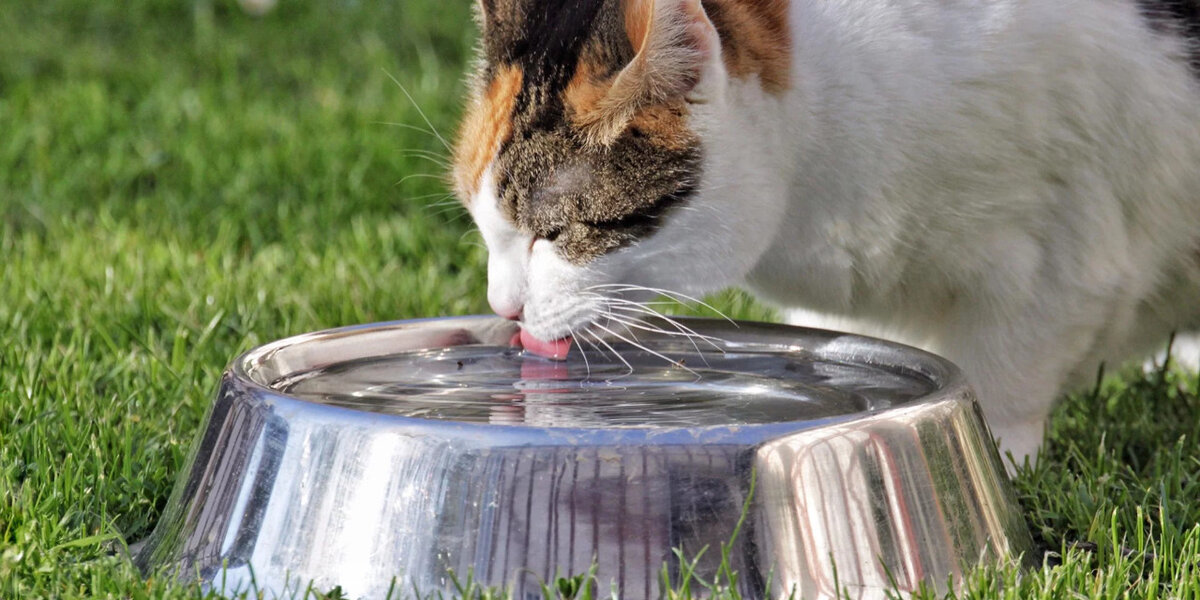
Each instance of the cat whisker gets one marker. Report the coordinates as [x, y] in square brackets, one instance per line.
[631, 306]
[643, 347]
[419, 111]
[614, 351]
[474, 243]
[407, 126]
[441, 162]
[610, 297]
[677, 296]
[633, 310]
[438, 195]
[634, 302]
[445, 204]
[680, 329]
[632, 334]
[449, 209]
[420, 176]
[690, 337]
[627, 324]
[586, 365]
[429, 159]
[583, 336]
[426, 152]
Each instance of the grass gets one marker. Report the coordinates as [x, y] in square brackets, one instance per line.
[180, 182]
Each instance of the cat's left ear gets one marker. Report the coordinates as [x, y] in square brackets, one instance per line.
[674, 42]
[677, 52]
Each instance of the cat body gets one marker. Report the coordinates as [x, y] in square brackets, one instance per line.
[1012, 184]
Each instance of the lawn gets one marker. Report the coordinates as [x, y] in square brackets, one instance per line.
[180, 182]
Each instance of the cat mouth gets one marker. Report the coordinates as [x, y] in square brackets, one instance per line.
[607, 313]
[549, 329]
[553, 349]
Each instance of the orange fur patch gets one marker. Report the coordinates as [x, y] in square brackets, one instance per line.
[486, 125]
[638, 16]
[664, 125]
[755, 39]
[585, 90]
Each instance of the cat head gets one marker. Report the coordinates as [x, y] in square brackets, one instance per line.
[602, 145]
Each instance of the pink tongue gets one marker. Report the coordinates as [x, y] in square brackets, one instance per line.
[556, 349]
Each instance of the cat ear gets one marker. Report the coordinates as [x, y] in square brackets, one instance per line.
[482, 12]
[674, 44]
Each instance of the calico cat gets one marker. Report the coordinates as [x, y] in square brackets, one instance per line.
[1014, 184]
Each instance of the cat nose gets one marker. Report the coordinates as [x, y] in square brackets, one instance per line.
[509, 310]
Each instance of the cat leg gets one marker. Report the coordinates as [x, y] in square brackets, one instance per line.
[1017, 364]
[1016, 397]
[1186, 349]
[1176, 309]
[1015, 387]
[1185, 352]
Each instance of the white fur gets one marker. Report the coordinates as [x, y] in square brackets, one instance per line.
[508, 251]
[1014, 184]
[527, 277]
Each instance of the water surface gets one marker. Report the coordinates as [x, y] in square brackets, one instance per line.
[500, 385]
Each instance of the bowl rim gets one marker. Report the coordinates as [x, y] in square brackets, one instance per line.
[254, 371]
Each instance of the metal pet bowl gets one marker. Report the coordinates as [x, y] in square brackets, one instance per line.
[396, 458]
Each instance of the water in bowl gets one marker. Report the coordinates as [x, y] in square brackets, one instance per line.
[592, 388]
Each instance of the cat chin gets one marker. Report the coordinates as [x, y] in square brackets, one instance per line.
[556, 315]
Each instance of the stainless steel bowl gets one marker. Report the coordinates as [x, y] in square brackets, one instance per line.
[400, 456]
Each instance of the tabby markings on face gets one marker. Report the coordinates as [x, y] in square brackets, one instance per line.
[581, 110]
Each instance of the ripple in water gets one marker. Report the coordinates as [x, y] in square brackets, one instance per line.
[498, 385]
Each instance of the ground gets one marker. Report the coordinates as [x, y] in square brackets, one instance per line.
[181, 181]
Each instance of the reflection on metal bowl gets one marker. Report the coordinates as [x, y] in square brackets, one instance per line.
[406, 454]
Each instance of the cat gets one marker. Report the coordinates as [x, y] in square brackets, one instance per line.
[1013, 184]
